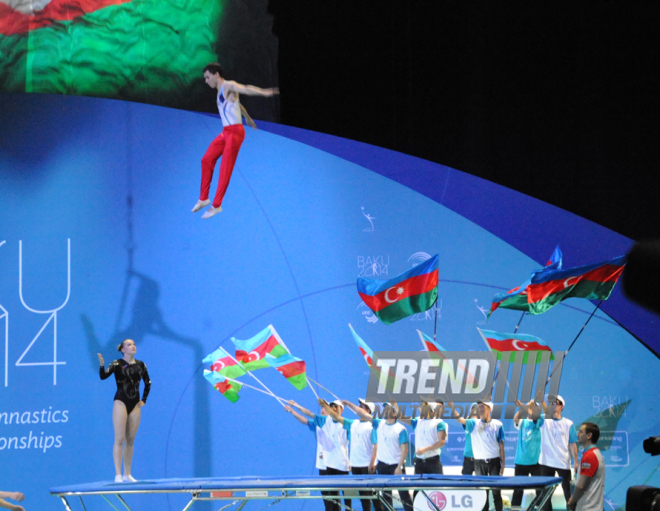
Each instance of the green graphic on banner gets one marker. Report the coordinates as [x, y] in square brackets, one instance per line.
[143, 50]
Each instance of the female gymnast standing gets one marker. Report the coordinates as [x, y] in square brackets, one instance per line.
[126, 411]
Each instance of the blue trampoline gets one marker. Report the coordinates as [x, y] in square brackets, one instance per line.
[239, 490]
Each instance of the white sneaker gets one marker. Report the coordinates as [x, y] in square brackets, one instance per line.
[129, 479]
[200, 204]
[118, 478]
[211, 211]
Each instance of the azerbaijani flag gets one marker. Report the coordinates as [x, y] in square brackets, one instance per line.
[415, 290]
[367, 352]
[433, 346]
[368, 356]
[516, 298]
[511, 343]
[593, 282]
[428, 343]
[223, 364]
[227, 388]
[292, 368]
[555, 261]
[252, 352]
[150, 51]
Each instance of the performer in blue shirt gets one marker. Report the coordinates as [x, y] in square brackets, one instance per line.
[528, 448]
[468, 455]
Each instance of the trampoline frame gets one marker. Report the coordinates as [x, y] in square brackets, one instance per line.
[242, 490]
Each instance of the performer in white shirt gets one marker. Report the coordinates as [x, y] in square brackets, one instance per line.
[430, 437]
[323, 443]
[392, 440]
[362, 440]
[487, 445]
[558, 445]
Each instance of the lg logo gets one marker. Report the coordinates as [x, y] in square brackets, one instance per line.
[438, 498]
[451, 500]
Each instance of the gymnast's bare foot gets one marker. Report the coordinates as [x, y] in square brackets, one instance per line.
[200, 204]
[211, 211]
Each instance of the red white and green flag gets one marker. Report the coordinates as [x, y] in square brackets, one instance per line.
[503, 343]
[593, 282]
[227, 388]
[414, 291]
[150, 51]
[292, 368]
[252, 352]
[224, 364]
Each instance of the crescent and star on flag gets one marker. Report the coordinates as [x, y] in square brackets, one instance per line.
[522, 343]
[27, 6]
[399, 291]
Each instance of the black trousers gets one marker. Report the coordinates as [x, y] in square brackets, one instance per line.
[468, 466]
[490, 467]
[523, 470]
[385, 469]
[336, 503]
[366, 503]
[565, 474]
[431, 465]
[328, 504]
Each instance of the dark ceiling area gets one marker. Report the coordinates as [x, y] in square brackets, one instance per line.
[558, 100]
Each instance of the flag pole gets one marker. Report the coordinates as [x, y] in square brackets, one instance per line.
[321, 386]
[279, 339]
[421, 338]
[253, 388]
[574, 340]
[253, 376]
[310, 386]
[519, 321]
[583, 326]
[328, 391]
[435, 328]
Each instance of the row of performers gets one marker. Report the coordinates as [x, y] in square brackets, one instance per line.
[547, 442]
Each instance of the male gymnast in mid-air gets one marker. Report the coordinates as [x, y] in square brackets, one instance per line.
[228, 143]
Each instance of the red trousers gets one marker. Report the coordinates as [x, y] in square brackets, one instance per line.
[226, 145]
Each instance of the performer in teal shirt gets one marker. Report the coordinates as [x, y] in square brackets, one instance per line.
[528, 448]
[468, 455]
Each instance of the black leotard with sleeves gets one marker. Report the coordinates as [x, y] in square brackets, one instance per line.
[128, 378]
